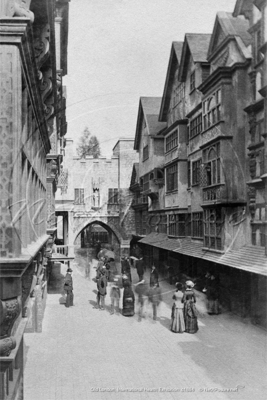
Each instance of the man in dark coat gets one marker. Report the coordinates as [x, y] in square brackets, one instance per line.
[140, 268]
[154, 277]
[213, 295]
[68, 287]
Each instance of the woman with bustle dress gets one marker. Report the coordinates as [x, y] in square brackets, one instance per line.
[190, 312]
[178, 325]
[128, 300]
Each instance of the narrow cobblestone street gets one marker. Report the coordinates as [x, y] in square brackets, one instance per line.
[89, 354]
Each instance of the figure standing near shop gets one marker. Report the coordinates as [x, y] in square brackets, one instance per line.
[102, 288]
[87, 269]
[100, 264]
[212, 291]
[126, 267]
[68, 288]
[178, 325]
[128, 300]
[154, 277]
[115, 295]
[155, 298]
[190, 312]
[140, 268]
[141, 291]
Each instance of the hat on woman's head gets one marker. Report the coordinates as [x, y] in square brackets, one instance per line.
[190, 284]
[179, 285]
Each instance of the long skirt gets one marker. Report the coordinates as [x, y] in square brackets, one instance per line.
[128, 307]
[190, 318]
[178, 325]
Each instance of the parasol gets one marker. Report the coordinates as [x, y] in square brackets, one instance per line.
[106, 253]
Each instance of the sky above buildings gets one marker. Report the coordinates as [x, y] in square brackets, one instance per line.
[119, 51]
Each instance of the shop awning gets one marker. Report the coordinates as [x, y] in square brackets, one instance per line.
[247, 258]
[160, 240]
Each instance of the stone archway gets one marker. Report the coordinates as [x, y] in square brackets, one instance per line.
[114, 235]
[105, 225]
[78, 221]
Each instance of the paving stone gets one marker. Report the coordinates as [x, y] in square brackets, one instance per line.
[82, 348]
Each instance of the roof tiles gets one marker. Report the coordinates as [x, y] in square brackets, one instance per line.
[248, 258]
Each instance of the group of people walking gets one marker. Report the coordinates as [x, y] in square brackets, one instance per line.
[184, 313]
[123, 282]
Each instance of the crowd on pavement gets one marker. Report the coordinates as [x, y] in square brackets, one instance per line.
[184, 315]
[225, 353]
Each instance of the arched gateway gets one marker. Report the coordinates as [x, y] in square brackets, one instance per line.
[116, 238]
[96, 192]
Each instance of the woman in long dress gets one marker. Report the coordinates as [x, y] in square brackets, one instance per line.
[190, 312]
[128, 300]
[178, 325]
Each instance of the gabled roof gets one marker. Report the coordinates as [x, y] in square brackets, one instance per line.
[196, 45]
[226, 25]
[174, 61]
[243, 7]
[135, 174]
[149, 110]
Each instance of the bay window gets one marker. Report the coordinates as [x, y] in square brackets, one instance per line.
[211, 108]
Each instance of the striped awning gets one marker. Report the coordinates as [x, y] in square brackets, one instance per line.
[247, 258]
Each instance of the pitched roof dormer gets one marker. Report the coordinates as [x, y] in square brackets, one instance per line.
[174, 62]
[148, 115]
[196, 46]
[227, 27]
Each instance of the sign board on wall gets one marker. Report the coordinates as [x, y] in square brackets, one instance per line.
[125, 244]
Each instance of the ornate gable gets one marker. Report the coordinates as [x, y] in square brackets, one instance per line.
[235, 48]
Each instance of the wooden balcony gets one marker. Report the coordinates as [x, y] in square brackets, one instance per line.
[140, 202]
[221, 195]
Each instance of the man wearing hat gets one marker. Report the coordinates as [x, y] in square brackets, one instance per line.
[68, 287]
[102, 288]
